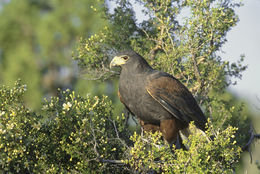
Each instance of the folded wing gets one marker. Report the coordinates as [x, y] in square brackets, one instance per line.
[176, 99]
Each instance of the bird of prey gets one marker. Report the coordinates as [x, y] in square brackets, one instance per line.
[159, 100]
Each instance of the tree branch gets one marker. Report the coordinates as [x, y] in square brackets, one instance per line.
[253, 136]
[118, 162]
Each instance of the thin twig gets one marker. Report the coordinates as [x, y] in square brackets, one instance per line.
[253, 136]
[118, 162]
[100, 74]
[95, 141]
[196, 68]
[117, 134]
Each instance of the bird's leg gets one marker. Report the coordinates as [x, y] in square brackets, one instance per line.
[142, 129]
[169, 131]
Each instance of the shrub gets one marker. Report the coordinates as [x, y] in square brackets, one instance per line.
[72, 133]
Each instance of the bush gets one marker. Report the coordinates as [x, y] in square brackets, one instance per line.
[203, 155]
[72, 133]
[18, 131]
[80, 134]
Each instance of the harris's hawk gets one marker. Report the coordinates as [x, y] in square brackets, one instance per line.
[159, 100]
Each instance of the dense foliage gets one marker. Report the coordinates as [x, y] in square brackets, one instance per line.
[81, 134]
[203, 156]
[72, 133]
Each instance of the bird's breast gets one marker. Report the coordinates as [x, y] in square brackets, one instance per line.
[139, 102]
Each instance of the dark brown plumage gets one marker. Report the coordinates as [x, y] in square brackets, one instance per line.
[160, 101]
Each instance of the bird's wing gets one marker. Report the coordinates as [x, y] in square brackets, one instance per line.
[176, 99]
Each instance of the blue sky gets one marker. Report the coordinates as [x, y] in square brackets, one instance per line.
[245, 39]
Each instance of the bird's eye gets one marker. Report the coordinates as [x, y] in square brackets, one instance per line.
[125, 57]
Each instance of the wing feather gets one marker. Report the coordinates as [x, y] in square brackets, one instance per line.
[176, 99]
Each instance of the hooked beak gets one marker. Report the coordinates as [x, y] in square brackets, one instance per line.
[116, 61]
